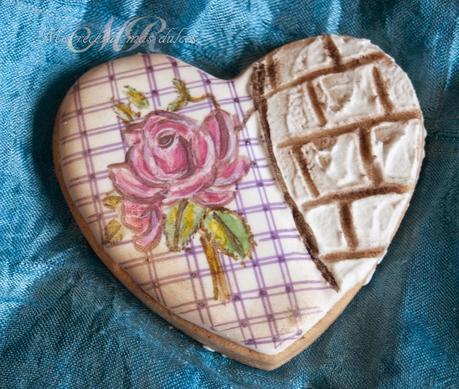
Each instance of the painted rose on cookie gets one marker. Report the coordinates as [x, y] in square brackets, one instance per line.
[177, 176]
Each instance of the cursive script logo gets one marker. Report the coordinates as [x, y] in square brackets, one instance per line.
[147, 31]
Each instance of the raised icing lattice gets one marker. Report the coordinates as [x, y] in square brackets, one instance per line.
[345, 133]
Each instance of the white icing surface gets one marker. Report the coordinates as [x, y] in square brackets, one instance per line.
[295, 186]
[296, 58]
[350, 47]
[376, 218]
[392, 147]
[301, 117]
[324, 220]
[399, 86]
[310, 57]
[348, 96]
[337, 166]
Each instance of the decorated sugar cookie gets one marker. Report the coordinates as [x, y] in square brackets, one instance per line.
[246, 212]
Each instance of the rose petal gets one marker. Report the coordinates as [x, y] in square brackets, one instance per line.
[230, 174]
[151, 239]
[151, 119]
[176, 117]
[203, 176]
[160, 120]
[131, 187]
[187, 188]
[169, 160]
[136, 161]
[155, 161]
[133, 133]
[201, 143]
[136, 216]
[152, 166]
[173, 160]
[220, 125]
[131, 138]
[214, 198]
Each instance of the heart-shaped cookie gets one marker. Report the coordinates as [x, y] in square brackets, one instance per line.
[251, 244]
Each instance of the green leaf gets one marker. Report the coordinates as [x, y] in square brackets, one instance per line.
[182, 221]
[177, 104]
[112, 232]
[111, 201]
[135, 97]
[184, 96]
[181, 88]
[229, 232]
[124, 112]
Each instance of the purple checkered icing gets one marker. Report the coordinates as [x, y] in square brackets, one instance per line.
[278, 294]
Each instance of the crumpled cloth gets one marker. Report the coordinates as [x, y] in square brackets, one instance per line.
[65, 321]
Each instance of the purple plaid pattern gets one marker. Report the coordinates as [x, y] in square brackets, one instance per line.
[277, 295]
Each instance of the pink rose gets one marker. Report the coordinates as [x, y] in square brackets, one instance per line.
[145, 221]
[171, 157]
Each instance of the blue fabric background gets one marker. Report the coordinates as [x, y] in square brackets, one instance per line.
[65, 321]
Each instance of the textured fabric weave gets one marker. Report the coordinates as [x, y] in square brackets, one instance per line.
[65, 321]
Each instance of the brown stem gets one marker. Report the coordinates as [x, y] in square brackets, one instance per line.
[210, 96]
[220, 286]
[178, 220]
[245, 119]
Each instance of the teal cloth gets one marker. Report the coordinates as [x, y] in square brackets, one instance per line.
[65, 321]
